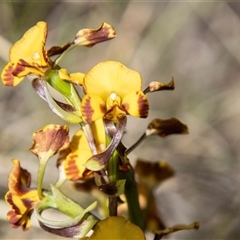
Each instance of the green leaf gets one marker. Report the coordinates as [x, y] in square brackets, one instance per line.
[40, 86]
[77, 231]
[61, 200]
[65, 205]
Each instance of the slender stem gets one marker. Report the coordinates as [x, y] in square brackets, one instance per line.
[131, 193]
[113, 176]
[112, 206]
[146, 90]
[57, 60]
[41, 171]
[136, 144]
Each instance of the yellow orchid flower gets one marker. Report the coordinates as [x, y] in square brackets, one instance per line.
[113, 91]
[28, 56]
[20, 197]
[79, 152]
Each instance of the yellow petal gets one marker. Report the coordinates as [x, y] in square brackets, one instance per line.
[31, 47]
[115, 113]
[93, 107]
[111, 77]
[136, 104]
[80, 153]
[73, 165]
[116, 228]
[7, 76]
[75, 78]
[99, 134]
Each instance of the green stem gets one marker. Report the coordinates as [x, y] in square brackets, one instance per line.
[112, 206]
[131, 193]
[113, 176]
[41, 171]
[57, 60]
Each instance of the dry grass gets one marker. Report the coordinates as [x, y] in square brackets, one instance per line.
[198, 44]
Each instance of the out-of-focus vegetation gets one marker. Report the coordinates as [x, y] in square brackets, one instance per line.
[195, 42]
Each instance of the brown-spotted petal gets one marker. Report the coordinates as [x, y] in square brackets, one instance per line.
[159, 86]
[152, 173]
[22, 208]
[20, 197]
[89, 37]
[19, 179]
[7, 75]
[136, 104]
[165, 127]
[77, 155]
[49, 140]
[92, 107]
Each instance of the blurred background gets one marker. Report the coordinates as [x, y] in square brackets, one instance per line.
[195, 42]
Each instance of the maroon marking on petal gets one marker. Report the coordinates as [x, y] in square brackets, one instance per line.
[72, 170]
[125, 107]
[28, 203]
[103, 108]
[13, 218]
[8, 78]
[18, 69]
[86, 173]
[87, 110]
[143, 106]
[24, 63]
[9, 199]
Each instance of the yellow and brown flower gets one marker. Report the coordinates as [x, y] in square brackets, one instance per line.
[27, 56]
[20, 197]
[113, 91]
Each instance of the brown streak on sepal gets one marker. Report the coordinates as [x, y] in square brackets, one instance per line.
[64, 232]
[166, 127]
[158, 86]
[55, 50]
[50, 138]
[143, 106]
[87, 110]
[90, 37]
